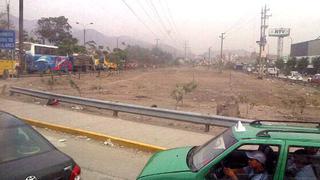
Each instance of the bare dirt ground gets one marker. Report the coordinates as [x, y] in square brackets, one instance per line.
[265, 99]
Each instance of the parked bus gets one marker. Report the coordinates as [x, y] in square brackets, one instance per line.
[43, 58]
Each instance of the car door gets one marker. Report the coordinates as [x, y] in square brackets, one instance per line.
[291, 147]
[236, 152]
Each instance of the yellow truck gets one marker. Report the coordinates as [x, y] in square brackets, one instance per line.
[7, 68]
[106, 65]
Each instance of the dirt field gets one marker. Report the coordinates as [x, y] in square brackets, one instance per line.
[264, 99]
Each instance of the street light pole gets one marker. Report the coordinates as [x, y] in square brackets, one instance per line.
[84, 32]
[210, 54]
[22, 64]
[291, 40]
[118, 42]
[84, 36]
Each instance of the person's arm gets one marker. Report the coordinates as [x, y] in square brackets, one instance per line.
[232, 173]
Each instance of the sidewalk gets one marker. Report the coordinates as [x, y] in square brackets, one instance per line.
[149, 134]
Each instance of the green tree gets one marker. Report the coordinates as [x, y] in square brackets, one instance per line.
[28, 38]
[118, 55]
[147, 56]
[280, 64]
[92, 47]
[291, 64]
[316, 64]
[54, 29]
[69, 46]
[302, 64]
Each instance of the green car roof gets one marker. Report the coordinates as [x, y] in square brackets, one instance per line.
[279, 131]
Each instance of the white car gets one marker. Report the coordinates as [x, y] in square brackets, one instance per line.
[295, 75]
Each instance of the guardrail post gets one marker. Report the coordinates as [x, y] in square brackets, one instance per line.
[207, 128]
[115, 114]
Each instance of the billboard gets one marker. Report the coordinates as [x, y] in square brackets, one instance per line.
[279, 32]
[7, 39]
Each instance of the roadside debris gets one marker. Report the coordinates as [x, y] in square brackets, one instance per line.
[77, 107]
[62, 140]
[108, 143]
[53, 102]
[82, 137]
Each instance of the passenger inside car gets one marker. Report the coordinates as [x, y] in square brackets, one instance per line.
[247, 162]
[254, 171]
[300, 166]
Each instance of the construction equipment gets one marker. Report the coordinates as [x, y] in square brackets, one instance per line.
[106, 65]
[8, 68]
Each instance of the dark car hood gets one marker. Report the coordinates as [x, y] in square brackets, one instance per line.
[168, 161]
[47, 165]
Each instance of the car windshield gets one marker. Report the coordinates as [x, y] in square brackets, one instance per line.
[19, 142]
[202, 155]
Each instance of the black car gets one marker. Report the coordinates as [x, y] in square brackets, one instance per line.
[27, 155]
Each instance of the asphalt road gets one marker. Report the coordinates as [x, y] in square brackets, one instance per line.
[99, 160]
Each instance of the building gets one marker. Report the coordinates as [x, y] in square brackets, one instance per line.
[306, 49]
[309, 49]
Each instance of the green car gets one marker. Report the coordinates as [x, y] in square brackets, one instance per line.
[283, 150]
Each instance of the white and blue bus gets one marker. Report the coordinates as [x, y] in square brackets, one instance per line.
[41, 58]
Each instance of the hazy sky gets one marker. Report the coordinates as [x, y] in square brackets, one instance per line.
[200, 22]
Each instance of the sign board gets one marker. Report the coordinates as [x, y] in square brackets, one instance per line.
[279, 32]
[7, 39]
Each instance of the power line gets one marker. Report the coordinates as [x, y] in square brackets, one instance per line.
[170, 16]
[166, 17]
[155, 11]
[160, 19]
[146, 12]
[170, 20]
[138, 17]
[172, 29]
[239, 25]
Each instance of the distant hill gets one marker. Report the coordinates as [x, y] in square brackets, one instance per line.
[98, 37]
[28, 25]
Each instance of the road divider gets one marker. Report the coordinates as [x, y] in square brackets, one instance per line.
[116, 107]
[95, 136]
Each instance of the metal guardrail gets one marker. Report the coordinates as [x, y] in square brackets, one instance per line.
[136, 109]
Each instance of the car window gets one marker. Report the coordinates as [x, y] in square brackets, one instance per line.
[303, 163]
[207, 152]
[19, 142]
[238, 161]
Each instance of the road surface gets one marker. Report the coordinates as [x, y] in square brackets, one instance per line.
[97, 160]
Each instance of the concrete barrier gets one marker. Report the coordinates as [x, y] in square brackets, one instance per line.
[95, 136]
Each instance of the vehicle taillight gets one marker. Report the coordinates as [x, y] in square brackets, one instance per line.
[75, 173]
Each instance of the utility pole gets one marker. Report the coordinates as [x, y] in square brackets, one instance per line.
[263, 41]
[210, 54]
[157, 42]
[221, 50]
[8, 13]
[8, 21]
[118, 42]
[84, 37]
[22, 63]
[185, 50]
